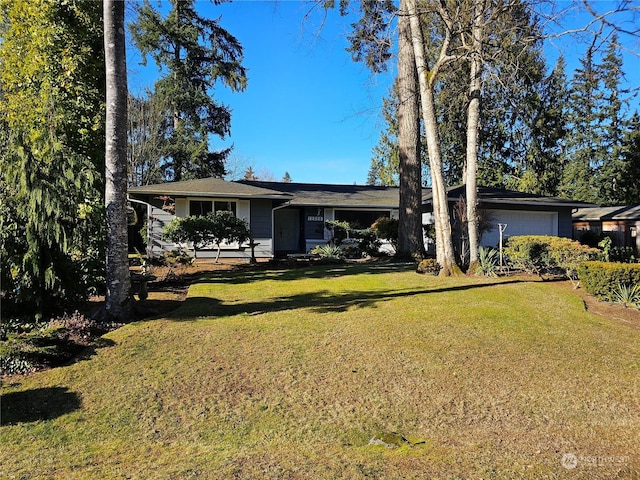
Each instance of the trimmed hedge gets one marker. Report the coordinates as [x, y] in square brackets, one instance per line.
[601, 279]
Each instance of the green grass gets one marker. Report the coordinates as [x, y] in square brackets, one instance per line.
[289, 374]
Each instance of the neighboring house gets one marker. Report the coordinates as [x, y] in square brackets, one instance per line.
[519, 213]
[621, 223]
[289, 218]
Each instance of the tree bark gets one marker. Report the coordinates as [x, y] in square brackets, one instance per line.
[473, 128]
[445, 253]
[410, 238]
[118, 299]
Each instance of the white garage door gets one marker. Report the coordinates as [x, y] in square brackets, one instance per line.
[520, 223]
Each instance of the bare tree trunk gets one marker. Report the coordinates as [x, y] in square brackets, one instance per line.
[410, 238]
[445, 253]
[118, 300]
[473, 128]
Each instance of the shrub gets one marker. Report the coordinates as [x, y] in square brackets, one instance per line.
[622, 254]
[355, 243]
[387, 229]
[545, 254]
[428, 265]
[331, 252]
[216, 228]
[602, 278]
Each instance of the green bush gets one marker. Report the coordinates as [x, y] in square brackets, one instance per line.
[545, 254]
[387, 229]
[602, 279]
[355, 243]
[214, 228]
[622, 254]
[328, 251]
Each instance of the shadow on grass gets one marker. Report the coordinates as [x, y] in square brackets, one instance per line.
[305, 271]
[37, 404]
[322, 301]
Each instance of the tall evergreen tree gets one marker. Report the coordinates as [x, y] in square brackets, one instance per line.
[410, 236]
[584, 145]
[611, 170]
[195, 53]
[628, 191]
[384, 162]
[51, 163]
[545, 156]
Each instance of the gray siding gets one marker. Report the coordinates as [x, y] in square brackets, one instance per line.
[314, 224]
[565, 222]
[261, 219]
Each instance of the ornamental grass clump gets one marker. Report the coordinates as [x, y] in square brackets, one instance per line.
[487, 262]
[627, 295]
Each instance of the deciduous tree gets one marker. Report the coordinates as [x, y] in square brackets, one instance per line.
[118, 305]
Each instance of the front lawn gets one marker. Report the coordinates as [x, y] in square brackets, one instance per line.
[290, 374]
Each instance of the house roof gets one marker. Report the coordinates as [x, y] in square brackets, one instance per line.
[490, 195]
[345, 196]
[311, 194]
[209, 187]
[620, 212]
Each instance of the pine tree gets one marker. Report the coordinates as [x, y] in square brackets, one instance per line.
[196, 53]
[250, 174]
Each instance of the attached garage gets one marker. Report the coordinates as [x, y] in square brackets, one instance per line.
[522, 213]
[520, 222]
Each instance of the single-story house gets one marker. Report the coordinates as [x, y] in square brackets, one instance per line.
[621, 223]
[289, 218]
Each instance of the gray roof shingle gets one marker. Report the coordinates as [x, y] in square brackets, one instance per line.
[209, 187]
[620, 212]
[310, 194]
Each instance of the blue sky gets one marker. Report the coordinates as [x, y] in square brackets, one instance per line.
[308, 109]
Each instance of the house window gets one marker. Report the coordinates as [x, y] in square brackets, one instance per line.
[200, 207]
[225, 206]
[360, 218]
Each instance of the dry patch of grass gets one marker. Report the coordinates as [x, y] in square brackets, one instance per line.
[289, 374]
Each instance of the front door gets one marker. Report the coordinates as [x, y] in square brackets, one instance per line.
[287, 231]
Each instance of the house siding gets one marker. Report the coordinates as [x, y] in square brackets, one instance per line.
[261, 227]
[565, 223]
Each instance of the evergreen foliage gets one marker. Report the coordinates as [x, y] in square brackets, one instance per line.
[52, 76]
[194, 53]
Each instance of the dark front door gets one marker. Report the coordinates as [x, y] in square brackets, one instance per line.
[287, 231]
